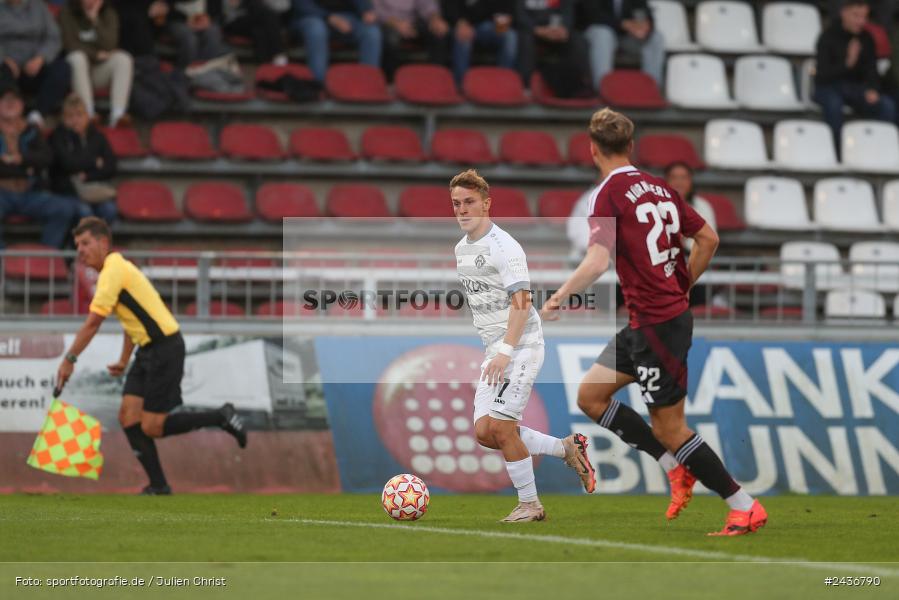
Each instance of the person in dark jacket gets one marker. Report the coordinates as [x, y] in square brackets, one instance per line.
[255, 20]
[82, 152]
[628, 24]
[846, 70]
[24, 157]
[484, 23]
[197, 36]
[549, 26]
[349, 21]
[139, 23]
[405, 22]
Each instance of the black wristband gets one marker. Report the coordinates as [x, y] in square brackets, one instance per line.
[72, 358]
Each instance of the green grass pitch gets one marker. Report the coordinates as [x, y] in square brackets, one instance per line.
[346, 547]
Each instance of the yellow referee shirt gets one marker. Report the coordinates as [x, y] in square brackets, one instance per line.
[122, 288]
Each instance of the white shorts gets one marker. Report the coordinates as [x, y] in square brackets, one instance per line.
[508, 399]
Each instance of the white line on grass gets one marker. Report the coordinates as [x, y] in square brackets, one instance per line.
[854, 568]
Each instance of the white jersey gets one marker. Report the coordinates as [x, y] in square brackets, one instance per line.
[491, 269]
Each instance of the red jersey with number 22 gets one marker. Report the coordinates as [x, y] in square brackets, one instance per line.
[651, 220]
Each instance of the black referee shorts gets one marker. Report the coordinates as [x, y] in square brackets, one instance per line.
[656, 356]
[156, 374]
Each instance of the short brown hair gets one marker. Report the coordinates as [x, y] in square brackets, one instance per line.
[73, 101]
[96, 226]
[611, 131]
[471, 180]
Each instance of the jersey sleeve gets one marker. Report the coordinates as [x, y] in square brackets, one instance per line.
[109, 286]
[512, 265]
[602, 222]
[690, 220]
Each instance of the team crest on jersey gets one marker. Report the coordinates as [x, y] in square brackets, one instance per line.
[480, 261]
[669, 268]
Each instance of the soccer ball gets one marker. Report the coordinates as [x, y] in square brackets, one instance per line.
[405, 497]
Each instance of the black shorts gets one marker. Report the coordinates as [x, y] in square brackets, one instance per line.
[656, 356]
[156, 374]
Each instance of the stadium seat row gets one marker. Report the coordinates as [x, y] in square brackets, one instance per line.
[872, 266]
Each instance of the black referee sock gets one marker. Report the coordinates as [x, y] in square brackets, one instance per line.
[627, 424]
[145, 450]
[188, 421]
[702, 461]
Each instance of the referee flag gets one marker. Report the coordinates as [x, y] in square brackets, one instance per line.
[68, 444]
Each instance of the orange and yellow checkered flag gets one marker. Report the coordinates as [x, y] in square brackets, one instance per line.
[68, 444]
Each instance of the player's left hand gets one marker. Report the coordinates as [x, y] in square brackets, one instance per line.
[493, 372]
[63, 373]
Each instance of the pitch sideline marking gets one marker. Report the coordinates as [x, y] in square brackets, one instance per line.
[600, 543]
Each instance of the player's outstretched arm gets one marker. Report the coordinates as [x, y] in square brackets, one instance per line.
[594, 264]
[705, 243]
[82, 339]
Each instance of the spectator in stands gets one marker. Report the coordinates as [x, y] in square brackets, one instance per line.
[90, 35]
[253, 19]
[485, 23]
[415, 21]
[24, 157]
[548, 25]
[29, 55]
[846, 71]
[883, 13]
[625, 23]
[83, 162]
[138, 22]
[349, 21]
[679, 176]
[196, 35]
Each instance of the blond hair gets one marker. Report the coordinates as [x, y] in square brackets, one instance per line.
[611, 131]
[471, 180]
[73, 101]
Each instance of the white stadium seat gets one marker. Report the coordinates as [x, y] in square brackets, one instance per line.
[802, 145]
[807, 84]
[891, 204]
[875, 266]
[896, 308]
[723, 26]
[846, 204]
[732, 144]
[765, 83]
[871, 147]
[791, 28]
[776, 203]
[671, 19]
[792, 269]
[697, 81]
[855, 304]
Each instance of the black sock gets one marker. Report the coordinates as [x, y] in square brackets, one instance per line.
[145, 450]
[188, 421]
[627, 424]
[702, 461]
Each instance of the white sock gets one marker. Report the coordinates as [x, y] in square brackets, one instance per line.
[739, 501]
[540, 443]
[668, 461]
[521, 472]
[115, 115]
[280, 60]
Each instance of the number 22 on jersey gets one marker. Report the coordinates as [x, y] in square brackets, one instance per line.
[658, 213]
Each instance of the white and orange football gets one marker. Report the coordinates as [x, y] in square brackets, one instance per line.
[405, 497]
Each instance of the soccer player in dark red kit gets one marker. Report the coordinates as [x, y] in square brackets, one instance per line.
[642, 222]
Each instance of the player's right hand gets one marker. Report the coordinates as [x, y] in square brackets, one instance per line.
[117, 369]
[550, 310]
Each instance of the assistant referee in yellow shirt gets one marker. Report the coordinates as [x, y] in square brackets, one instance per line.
[153, 385]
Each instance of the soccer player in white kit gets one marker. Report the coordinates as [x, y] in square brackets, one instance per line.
[493, 270]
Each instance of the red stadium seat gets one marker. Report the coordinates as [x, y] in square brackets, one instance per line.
[509, 203]
[269, 73]
[227, 97]
[173, 261]
[44, 268]
[321, 143]
[710, 311]
[883, 48]
[181, 141]
[356, 201]
[544, 95]
[217, 308]
[250, 142]
[276, 201]
[125, 142]
[462, 146]
[631, 89]
[659, 151]
[725, 214]
[284, 308]
[217, 202]
[431, 85]
[494, 86]
[392, 144]
[529, 148]
[579, 150]
[425, 201]
[147, 201]
[245, 257]
[59, 308]
[351, 82]
[556, 205]
[781, 313]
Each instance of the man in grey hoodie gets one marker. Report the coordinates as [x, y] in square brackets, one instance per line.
[29, 55]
